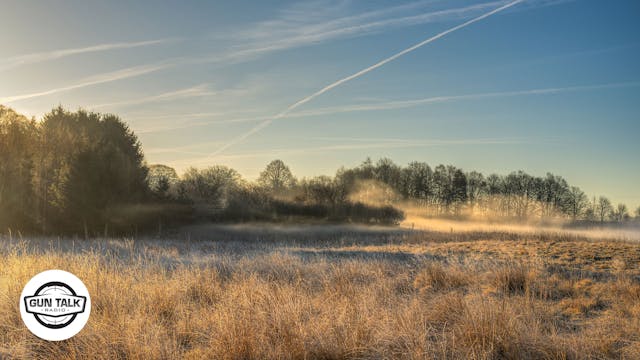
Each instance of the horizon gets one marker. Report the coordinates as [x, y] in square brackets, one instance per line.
[542, 86]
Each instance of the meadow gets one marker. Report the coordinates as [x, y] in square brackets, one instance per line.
[429, 289]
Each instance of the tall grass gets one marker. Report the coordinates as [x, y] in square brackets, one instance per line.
[166, 300]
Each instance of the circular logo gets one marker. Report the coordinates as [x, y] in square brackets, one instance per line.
[55, 305]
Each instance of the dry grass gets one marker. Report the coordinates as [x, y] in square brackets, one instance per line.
[392, 296]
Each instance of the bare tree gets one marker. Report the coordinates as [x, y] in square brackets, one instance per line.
[577, 202]
[277, 176]
[603, 208]
[621, 213]
[322, 190]
[476, 188]
[210, 188]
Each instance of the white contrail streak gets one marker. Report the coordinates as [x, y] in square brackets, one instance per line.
[282, 114]
[93, 80]
[402, 104]
[386, 105]
[297, 34]
[20, 60]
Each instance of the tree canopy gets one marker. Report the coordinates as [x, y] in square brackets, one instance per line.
[74, 169]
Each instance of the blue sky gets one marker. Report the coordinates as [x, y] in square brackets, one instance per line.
[543, 85]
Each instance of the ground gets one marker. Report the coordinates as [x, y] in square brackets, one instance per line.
[429, 289]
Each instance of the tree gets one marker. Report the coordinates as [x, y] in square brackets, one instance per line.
[442, 187]
[366, 170]
[520, 190]
[459, 190]
[603, 208]
[459, 186]
[638, 213]
[18, 146]
[577, 202]
[387, 172]
[70, 172]
[590, 214]
[621, 213]
[81, 170]
[554, 194]
[476, 187]
[161, 178]
[210, 189]
[416, 182]
[276, 177]
[322, 190]
[104, 172]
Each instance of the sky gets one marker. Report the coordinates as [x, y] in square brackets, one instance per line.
[494, 86]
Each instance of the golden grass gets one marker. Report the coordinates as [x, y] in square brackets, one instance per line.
[324, 299]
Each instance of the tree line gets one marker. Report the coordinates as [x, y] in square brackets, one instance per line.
[444, 190]
[448, 190]
[84, 173]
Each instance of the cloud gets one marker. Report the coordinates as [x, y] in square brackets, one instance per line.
[180, 149]
[192, 92]
[93, 80]
[360, 144]
[358, 74]
[16, 61]
[199, 115]
[303, 24]
[400, 104]
[381, 105]
[306, 24]
[200, 124]
[309, 23]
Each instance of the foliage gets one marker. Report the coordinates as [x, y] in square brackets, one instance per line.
[18, 146]
[84, 173]
[70, 172]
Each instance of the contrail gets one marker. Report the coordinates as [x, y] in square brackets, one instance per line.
[386, 105]
[306, 34]
[57, 54]
[93, 80]
[401, 104]
[282, 114]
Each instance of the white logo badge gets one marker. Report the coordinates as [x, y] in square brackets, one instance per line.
[55, 305]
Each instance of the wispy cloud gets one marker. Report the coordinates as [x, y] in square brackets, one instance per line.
[358, 74]
[185, 125]
[400, 104]
[302, 25]
[306, 24]
[354, 144]
[223, 118]
[93, 80]
[187, 149]
[192, 92]
[315, 22]
[199, 115]
[15, 61]
[298, 26]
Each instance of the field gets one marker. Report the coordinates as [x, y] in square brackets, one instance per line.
[441, 290]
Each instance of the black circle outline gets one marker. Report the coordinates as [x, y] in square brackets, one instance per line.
[55, 326]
